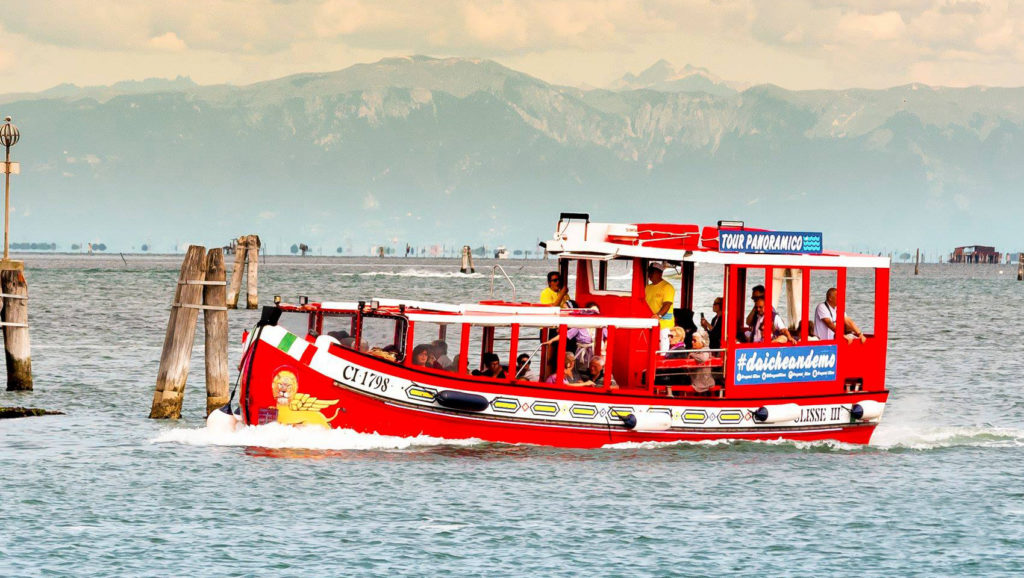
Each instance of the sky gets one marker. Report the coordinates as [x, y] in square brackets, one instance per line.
[798, 44]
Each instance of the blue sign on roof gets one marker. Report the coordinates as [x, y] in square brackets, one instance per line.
[740, 241]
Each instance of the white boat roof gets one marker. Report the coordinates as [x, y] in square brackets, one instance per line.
[585, 321]
[580, 240]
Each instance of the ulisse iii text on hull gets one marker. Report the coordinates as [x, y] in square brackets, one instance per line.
[792, 346]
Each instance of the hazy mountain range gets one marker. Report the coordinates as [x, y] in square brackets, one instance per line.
[425, 150]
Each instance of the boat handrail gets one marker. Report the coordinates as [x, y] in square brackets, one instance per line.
[507, 278]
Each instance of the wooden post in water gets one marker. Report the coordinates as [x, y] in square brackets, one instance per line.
[215, 321]
[237, 272]
[15, 323]
[252, 300]
[467, 260]
[181, 332]
[917, 261]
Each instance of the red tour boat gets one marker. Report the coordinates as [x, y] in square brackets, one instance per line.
[369, 365]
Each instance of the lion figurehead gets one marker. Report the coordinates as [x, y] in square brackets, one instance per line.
[284, 386]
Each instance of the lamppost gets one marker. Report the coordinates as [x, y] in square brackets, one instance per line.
[9, 136]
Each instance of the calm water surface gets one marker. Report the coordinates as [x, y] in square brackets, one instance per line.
[103, 490]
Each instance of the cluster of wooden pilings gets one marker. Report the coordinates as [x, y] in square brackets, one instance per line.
[247, 258]
[14, 320]
[201, 287]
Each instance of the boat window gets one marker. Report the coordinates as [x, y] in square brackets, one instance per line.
[860, 299]
[339, 325]
[821, 281]
[445, 339]
[611, 277]
[384, 333]
[787, 297]
[295, 322]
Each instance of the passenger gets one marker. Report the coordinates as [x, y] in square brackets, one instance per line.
[339, 335]
[440, 348]
[701, 379]
[432, 358]
[660, 296]
[677, 338]
[756, 293]
[523, 366]
[556, 293]
[714, 327]
[825, 320]
[780, 333]
[594, 371]
[491, 366]
[421, 355]
[571, 377]
[455, 363]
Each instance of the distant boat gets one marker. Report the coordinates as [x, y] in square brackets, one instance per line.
[501, 252]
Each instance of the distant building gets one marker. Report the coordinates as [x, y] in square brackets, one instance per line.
[975, 254]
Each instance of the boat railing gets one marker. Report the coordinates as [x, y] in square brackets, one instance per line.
[507, 278]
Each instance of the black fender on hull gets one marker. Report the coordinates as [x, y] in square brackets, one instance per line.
[461, 400]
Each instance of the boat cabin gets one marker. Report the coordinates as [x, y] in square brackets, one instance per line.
[607, 266]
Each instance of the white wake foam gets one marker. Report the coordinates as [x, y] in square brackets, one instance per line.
[421, 273]
[917, 437]
[277, 436]
[886, 437]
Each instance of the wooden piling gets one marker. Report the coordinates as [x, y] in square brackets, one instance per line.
[181, 332]
[467, 260]
[17, 346]
[237, 272]
[917, 261]
[252, 300]
[215, 321]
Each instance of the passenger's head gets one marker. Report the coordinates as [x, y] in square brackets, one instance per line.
[831, 296]
[700, 340]
[491, 362]
[676, 335]
[717, 305]
[570, 362]
[759, 305]
[420, 354]
[655, 270]
[440, 347]
[523, 360]
[757, 291]
[592, 307]
[596, 365]
[554, 280]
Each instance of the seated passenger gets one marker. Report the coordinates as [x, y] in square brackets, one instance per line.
[339, 335]
[571, 378]
[441, 354]
[825, 320]
[677, 338]
[421, 355]
[594, 372]
[702, 379]
[780, 333]
[523, 366]
[491, 366]
[556, 293]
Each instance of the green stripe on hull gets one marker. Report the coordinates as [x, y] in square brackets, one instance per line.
[286, 342]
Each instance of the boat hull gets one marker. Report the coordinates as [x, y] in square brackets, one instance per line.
[288, 380]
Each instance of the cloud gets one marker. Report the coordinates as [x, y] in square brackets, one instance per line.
[168, 41]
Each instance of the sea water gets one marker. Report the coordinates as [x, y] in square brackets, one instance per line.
[104, 490]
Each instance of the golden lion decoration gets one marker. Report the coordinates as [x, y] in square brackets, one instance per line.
[296, 408]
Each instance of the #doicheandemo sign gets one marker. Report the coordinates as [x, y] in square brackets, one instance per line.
[784, 364]
[769, 242]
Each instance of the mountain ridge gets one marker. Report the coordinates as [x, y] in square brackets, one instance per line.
[422, 149]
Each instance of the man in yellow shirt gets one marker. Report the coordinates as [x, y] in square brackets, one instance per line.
[660, 297]
[555, 293]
